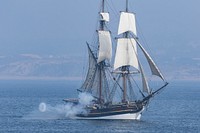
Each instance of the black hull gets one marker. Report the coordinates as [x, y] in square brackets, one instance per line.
[112, 110]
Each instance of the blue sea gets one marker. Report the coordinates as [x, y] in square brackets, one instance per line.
[175, 110]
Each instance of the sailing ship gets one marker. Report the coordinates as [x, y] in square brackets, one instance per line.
[117, 95]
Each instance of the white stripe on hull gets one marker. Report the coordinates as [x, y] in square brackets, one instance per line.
[128, 116]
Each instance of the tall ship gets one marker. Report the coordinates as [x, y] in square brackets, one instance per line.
[117, 80]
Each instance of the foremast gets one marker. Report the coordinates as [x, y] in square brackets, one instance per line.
[102, 63]
[96, 80]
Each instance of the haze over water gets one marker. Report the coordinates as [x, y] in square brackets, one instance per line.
[46, 39]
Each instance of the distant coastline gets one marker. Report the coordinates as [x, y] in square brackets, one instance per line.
[79, 78]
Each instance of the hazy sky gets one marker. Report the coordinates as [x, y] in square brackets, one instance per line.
[63, 26]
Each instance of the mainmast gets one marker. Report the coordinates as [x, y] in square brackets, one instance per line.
[125, 69]
[126, 53]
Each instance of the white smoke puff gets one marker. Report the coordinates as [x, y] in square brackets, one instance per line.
[69, 110]
[85, 98]
[72, 110]
[42, 107]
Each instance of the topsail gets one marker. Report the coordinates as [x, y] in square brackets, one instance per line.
[127, 23]
[105, 46]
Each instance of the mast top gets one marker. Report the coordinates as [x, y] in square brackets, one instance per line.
[103, 5]
[126, 5]
[102, 23]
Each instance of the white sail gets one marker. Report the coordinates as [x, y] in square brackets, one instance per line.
[126, 53]
[127, 23]
[153, 67]
[105, 16]
[144, 80]
[105, 46]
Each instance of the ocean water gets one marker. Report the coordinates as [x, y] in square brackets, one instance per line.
[176, 109]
